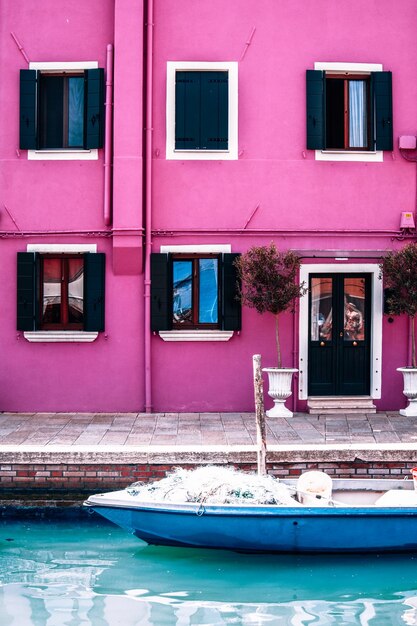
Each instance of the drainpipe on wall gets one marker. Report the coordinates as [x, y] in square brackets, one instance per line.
[108, 136]
[148, 205]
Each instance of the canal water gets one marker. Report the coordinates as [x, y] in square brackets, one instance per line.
[85, 572]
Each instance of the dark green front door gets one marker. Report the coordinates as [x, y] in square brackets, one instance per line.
[339, 334]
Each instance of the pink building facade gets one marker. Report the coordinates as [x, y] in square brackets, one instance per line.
[146, 143]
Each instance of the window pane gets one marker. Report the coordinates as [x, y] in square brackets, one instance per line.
[75, 290]
[51, 111]
[335, 126]
[354, 325]
[75, 111]
[208, 295]
[357, 114]
[182, 291]
[321, 309]
[51, 304]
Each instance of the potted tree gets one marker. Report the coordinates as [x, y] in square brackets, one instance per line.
[399, 271]
[268, 283]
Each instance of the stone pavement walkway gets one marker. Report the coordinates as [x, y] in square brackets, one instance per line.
[200, 429]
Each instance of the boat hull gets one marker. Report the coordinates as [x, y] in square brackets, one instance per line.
[265, 528]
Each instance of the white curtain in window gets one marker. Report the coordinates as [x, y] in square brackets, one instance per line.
[357, 114]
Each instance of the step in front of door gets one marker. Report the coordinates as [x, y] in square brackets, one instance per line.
[340, 404]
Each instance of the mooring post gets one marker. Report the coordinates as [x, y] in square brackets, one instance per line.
[260, 414]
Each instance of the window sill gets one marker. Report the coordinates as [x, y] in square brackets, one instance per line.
[202, 155]
[60, 336]
[63, 155]
[196, 335]
[350, 155]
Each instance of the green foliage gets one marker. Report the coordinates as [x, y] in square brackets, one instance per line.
[399, 271]
[268, 279]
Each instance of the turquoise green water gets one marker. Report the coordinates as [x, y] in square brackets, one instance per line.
[87, 573]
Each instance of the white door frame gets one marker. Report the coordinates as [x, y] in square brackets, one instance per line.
[376, 320]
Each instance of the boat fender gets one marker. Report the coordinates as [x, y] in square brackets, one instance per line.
[314, 488]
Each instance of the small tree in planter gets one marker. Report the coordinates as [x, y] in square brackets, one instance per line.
[399, 271]
[269, 285]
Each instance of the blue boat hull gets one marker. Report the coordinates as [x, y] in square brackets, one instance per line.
[270, 529]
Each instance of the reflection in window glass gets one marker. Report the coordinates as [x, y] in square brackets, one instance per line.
[182, 291]
[51, 301]
[75, 290]
[354, 309]
[75, 111]
[321, 309]
[208, 300]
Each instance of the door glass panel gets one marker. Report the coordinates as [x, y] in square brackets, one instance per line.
[354, 309]
[182, 291]
[75, 290]
[51, 289]
[208, 300]
[321, 309]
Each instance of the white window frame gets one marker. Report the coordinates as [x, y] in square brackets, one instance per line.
[202, 155]
[63, 154]
[197, 334]
[60, 336]
[376, 317]
[372, 156]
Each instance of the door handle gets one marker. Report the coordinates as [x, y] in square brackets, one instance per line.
[322, 344]
[341, 333]
[354, 344]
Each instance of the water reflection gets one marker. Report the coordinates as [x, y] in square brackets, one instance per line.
[83, 574]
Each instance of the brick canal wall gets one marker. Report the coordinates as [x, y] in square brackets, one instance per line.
[37, 479]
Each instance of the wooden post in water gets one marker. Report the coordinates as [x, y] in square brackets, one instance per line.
[260, 414]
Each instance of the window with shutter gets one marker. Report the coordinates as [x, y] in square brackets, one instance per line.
[194, 291]
[60, 291]
[62, 110]
[349, 111]
[201, 110]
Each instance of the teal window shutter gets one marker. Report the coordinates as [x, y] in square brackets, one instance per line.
[315, 88]
[94, 108]
[94, 291]
[27, 290]
[28, 96]
[231, 306]
[201, 110]
[381, 87]
[187, 110]
[214, 111]
[161, 292]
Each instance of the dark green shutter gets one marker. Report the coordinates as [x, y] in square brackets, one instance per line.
[161, 292]
[214, 108]
[231, 306]
[94, 291]
[94, 109]
[381, 85]
[315, 86]
[28, 95]
[201, 110]
[26, 290]
[187, 110]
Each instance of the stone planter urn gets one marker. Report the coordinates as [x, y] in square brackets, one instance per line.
[280, 380]
[410, 390]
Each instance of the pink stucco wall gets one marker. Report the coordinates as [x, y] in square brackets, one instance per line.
[275, 171]
[105, 375]
[296, 194]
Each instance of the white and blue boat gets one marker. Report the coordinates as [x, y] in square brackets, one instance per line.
[362, 515]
